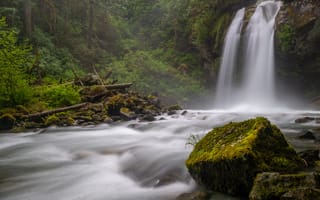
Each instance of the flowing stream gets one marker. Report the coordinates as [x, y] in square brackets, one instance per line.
[132, 160]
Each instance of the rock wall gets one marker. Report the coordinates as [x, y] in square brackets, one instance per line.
[297, 46]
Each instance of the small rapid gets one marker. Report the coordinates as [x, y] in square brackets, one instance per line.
[131, 160]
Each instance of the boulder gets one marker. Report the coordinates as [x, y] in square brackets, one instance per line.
[307, 136]
[7, 121]
[228, 158]
[271, 185]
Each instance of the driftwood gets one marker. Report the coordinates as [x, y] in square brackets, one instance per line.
[76, 76]
[50, 112]
[100, 79]
[118, 86]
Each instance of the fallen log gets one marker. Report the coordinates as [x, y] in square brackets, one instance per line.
[118, 86]
[50, 112]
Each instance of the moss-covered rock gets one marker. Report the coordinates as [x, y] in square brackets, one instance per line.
[7, 121]
[228, 158]
[269, 186]
[52, 120]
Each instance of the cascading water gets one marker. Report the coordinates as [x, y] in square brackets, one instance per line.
[257, 88]
[230, 52]
[259, 59]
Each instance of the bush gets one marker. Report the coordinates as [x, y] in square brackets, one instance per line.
[60, 95]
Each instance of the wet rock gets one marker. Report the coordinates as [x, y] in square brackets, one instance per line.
[198, 195]
[172, 112]
[174, 108]
[307, 136]
[127, 114]
[148, 118]
[270, 185]
[310, 156]
[302, 194]
[184, 112]
[7, 121]
[304, 120]
[228, 158]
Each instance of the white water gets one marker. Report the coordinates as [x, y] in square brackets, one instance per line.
[225, 85]
[130, 161]
[256, 89]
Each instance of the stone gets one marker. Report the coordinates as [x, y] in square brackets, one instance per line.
[197, 195]
[310, 156]
[228, 158]
[308, 136]
[304, 120]
[7, 121]
[302, 194]
[271, 185]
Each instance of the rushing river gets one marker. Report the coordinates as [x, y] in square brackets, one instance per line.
[127, 161]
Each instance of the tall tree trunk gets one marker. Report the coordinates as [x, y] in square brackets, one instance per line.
[90, 25]
[27, 8]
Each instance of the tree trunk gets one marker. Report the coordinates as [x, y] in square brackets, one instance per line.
[90, 25]
[27, 8]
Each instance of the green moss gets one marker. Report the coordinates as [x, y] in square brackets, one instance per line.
[286, 35]
[52, 120]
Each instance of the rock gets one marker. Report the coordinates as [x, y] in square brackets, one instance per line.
[228, 158]
[308, 136]
[271, 185]
[127, 114]
[174, 107]
[184, 112]
[172, 112]
[148, 117]
[310, 156]
[302, 194]
[7, 121]
[198, 195]
[304, 120]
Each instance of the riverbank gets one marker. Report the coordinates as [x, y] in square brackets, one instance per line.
[99, 104]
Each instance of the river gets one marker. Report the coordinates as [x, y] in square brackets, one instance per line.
[125, 161]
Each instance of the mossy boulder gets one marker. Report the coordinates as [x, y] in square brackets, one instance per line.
[269, 186]
[7, 121]
[228, 158]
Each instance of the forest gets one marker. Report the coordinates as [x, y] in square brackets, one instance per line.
[177, 44]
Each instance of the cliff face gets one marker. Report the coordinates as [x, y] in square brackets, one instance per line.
[297, 45]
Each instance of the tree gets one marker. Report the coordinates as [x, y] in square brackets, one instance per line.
[15, 60]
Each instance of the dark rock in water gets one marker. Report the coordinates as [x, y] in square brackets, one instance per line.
[308, 136]
[270, 185]
[228, 158]
[198, 195]
[148, 118]
[310, 156]
[7, 121]
[184, 112]
[302, 194]
[304, 120]
[172, 112]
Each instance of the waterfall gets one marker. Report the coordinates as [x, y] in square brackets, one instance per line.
[257, 63]
[230, 52]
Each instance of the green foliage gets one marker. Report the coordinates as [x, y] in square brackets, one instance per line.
[151, 75]
[286, 36]
[60, 95]
[15, 62]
